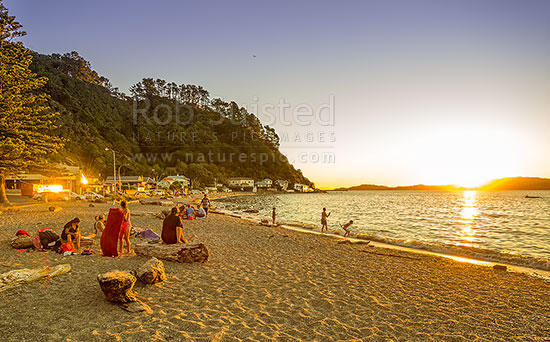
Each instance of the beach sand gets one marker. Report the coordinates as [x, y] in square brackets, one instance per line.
[266, 284]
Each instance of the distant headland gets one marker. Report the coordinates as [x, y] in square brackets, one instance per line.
[510, 183]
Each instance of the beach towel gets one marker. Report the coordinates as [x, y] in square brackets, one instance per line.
[149, 234]
[67, 247]
[109, 238]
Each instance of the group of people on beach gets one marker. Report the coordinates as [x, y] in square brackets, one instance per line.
[71, 231]
[172, 227]
[324, 223]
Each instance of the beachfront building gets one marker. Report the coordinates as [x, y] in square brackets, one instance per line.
[281, 184]
[265, 183]
[166, 182]
[243, 182]
[138, 183]
[301, 187]
[69, 179]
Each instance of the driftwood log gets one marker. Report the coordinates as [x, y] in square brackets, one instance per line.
[117, 286]
[17, 277]
[21, 242]
[151, 272]
[183, 252]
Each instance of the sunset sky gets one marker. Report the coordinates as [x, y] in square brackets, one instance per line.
[433, 92]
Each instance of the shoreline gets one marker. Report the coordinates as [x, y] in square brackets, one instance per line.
[487, 257]
[267, 283]
[531, 271]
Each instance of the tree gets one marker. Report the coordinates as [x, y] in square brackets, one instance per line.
[26, 120]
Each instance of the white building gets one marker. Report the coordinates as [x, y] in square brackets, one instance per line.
[167, 181]
[244, 182]
[301, 187]
[265, 183]
[281, 183]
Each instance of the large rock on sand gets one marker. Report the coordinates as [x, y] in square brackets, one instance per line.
[151, 272]
[179, 252]
[117, 286]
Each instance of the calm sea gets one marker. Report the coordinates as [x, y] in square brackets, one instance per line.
[498, 226]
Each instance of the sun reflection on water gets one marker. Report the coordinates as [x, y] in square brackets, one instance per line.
[468, 215]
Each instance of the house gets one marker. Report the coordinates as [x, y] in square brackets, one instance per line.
[128, 182]
[265, 183]
[281, 184]
[69, 178]
[301, 187]
[244, 182]
[167, 181]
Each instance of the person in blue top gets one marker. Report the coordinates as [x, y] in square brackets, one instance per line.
[190, 212]
[201, 213]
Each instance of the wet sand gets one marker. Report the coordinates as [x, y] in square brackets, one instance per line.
[267, 284]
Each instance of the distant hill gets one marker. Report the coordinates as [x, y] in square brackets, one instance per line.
[511, 183]
[518, 183]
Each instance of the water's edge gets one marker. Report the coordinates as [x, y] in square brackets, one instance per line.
[518, 263]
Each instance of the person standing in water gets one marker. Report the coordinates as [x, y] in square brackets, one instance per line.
[273, 215]
[125, 228]
[324, 216]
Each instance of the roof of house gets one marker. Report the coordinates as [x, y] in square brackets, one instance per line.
[241, 178]
[126, 179]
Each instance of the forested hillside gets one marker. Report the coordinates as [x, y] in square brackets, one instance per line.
[162, 126]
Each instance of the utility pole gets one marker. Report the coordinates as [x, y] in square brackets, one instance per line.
[114, 170]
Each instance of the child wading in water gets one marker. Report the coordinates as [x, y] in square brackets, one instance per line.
[273, 215]
[346, 226]
[324, 216]
[125, 228]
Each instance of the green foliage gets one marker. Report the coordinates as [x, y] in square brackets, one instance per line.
[26, 119]
[178, 128]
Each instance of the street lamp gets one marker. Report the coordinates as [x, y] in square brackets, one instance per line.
[114, 170]
[120, 178]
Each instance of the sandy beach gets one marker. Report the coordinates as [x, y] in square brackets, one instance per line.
[266, 284]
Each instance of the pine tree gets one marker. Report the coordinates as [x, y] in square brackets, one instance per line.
[26, 120]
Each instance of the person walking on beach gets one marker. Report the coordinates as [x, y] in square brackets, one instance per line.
[273, 215]
[205, 203]
[346, 228]
[125, 228]
[324, 216]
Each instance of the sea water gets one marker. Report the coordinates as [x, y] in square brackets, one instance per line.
[498, 225]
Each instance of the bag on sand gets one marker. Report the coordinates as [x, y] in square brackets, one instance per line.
[67, 247]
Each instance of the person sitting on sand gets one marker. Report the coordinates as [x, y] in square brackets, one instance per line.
[346, 226]
[200, 212]
[205, 203]
[99, 225]
[172, 228]
[71, 232]
[324, 216]
[125, 228]
[189, 211]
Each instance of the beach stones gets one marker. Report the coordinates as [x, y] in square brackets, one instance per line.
[118, 286]
[181, 252]
[151, 272]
